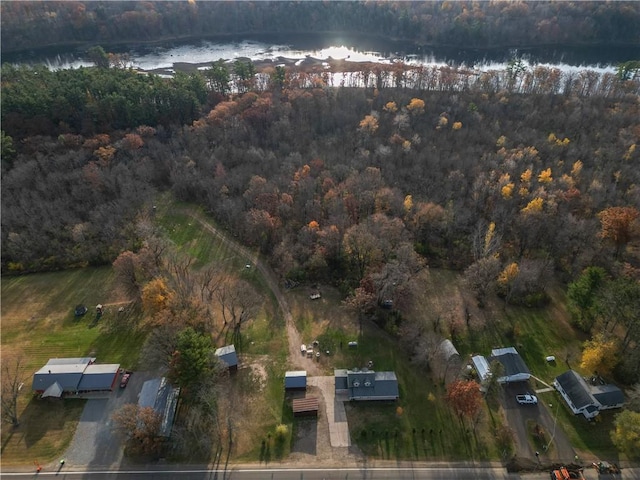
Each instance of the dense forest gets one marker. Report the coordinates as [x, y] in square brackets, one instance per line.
[28, 24]
[356, 178]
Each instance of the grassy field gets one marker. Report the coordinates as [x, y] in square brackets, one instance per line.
[37, 324]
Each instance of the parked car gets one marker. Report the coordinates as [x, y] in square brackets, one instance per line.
[527, 399]
[125, 379]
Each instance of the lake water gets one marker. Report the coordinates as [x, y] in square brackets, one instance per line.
[164, 56]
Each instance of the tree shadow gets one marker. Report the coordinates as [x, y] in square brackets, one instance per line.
[43, 415]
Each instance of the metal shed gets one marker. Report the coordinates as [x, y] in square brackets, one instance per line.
[295, 380]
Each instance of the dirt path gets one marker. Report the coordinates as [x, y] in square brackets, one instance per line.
[296, 360]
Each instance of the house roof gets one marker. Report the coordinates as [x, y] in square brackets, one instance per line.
[54, 390]
[340, 379]
[607, 395]
[74, 374]
[295, 379]
[71, 361]
[367, 384]
[511, 361]
[99, 377]
[482, 366]
[228, 355]
[67, 380]
[576, 388]
[160, 395]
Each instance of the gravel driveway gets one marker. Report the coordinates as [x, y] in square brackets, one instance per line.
[94, 443]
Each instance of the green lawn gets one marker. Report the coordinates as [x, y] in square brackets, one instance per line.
[37, 324]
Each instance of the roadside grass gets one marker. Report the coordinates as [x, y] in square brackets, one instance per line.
[591, 439]
[38, 323]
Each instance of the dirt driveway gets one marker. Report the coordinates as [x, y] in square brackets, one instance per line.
[296, 360]
[518, 416]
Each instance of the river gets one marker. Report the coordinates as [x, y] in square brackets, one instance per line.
[162, 57]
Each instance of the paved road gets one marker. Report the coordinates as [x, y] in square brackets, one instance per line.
[364, 472]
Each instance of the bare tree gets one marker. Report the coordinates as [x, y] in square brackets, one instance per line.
[159, 346]
[12, 372]
[239, 302]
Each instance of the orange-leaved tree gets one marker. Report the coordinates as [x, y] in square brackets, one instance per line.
[618, 225]
[465, 398]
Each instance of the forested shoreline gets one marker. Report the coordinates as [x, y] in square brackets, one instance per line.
[31, 25]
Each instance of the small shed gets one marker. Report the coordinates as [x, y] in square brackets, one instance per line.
[305, 407]
[228, 355]
[448, 350]
[482, 367]
[295, 380]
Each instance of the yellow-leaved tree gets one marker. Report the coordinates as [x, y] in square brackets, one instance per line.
[369, 124]
[416, 106]
[506, 280]
[408, 204]
[545, 176]
[533, 207]
[600, 355]
[156, 296]
[391, 107]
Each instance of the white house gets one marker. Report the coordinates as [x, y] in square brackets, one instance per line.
[587, 399]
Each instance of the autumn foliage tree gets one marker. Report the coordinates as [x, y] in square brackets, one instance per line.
[618, 225]
[626, 435]
[465, 398]
[600, 355]
[140, 428]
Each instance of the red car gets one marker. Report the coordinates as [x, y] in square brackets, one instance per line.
[125, 379]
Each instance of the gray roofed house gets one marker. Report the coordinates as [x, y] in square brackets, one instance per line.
[99, 377]
[585, 399]
[515, 370]
[228, 355]
[608, 396]
[366, 384]
[295, 380]
[74, 375]
[160, 395]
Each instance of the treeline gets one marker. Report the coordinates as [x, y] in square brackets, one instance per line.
[37, 101]
[29, 25]
[88, 101]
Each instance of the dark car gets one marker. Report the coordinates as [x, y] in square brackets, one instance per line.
[125, 379]
[80, 310]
